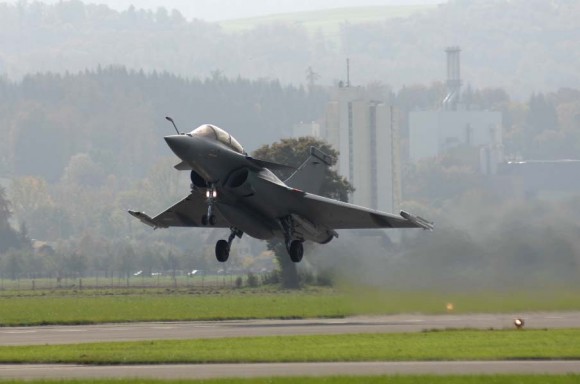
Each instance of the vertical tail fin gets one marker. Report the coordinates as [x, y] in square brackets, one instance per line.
[310, 174]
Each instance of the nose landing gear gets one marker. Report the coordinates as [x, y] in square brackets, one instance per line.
[209, 218]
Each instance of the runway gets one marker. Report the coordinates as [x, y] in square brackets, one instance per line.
[197, 330]
[215, 329]
[207, 371]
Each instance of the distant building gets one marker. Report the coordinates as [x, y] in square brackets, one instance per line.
[364, 128]
[432, 133]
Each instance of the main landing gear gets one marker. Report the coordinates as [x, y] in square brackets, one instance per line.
[293, 244]
[209, 218]
[222, 247]
[295, 250]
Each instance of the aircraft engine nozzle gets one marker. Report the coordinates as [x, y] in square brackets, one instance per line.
[312, 231]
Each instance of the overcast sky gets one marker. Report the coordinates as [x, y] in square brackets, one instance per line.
[215, 10]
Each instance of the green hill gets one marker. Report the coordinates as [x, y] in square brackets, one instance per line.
[327, 21]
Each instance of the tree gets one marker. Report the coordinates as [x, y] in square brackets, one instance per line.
[31, 200]
[542, 115]
[5, 212]
[9, 237]
[293, 152]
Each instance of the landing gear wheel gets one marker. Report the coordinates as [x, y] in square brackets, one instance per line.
[296, 251]
[212, 220]
[222, 251]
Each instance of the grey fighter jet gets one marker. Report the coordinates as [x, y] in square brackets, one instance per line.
[230, 189]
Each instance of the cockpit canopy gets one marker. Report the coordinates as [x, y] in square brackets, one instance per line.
[216, 133]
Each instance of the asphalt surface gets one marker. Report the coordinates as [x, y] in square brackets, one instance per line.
[206, 371]
[195, 330]
[215, 329]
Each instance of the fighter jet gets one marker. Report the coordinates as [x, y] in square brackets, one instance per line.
[230, 189]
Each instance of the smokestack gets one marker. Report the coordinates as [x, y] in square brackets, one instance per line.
[453, 78]
[347, 72]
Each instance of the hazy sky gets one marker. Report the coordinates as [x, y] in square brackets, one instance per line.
[215, 10]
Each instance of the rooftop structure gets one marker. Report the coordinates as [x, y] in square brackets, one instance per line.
[434, 132]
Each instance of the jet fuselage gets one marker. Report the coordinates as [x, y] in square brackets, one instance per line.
[233, 180]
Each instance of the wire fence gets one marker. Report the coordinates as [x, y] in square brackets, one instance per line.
[107, 280]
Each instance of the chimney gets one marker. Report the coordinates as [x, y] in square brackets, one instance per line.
[453, 79]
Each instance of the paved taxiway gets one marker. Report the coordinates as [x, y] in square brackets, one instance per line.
[196, 330]
[206, 371]
[216, 329]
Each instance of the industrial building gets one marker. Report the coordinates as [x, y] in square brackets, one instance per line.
[434, 132]
[363, 126]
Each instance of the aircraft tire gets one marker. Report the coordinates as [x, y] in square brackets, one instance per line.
[204, 220]
[212, 220]
[296, 251]
[222, 251]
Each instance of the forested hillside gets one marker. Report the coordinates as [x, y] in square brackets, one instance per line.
[523, 46]
[116, 117]
[81, 149]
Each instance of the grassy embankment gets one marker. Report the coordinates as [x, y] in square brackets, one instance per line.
[426, 346]
[90, 307]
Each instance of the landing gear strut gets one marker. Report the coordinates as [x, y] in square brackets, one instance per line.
[211, 195]
[293, 245]
[222, 247]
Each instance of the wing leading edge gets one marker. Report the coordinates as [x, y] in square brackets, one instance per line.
[185, 213]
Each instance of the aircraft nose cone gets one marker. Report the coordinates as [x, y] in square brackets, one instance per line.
[179, 144]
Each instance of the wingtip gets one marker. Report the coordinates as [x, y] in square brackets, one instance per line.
[144, 218]
[418, 221]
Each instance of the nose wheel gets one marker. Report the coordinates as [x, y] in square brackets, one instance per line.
[209, 218]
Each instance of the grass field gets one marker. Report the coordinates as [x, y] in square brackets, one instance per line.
[90, 307]
[488, 379]
[327, 21]
[426, 346]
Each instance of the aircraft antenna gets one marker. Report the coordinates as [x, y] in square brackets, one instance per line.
[173, 122]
